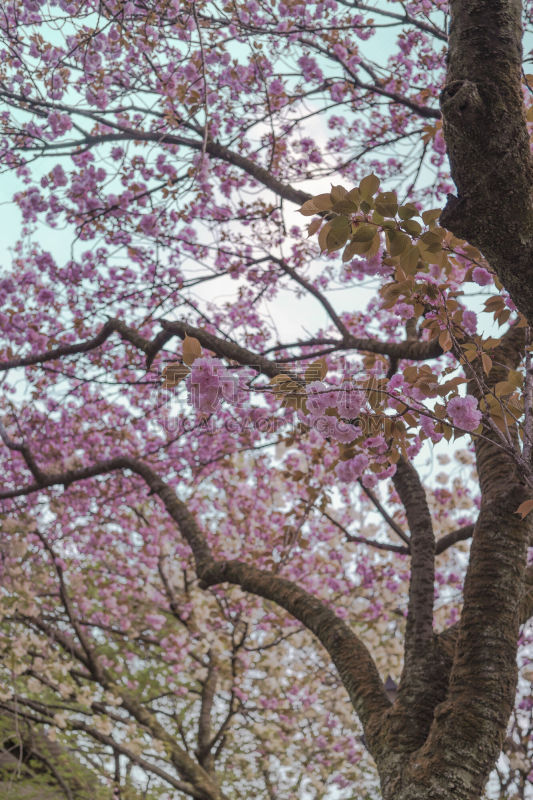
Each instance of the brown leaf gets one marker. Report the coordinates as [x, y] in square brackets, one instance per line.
[173, 374]
[487, 363]
[323, 202]
[445, 341]
[313, 227]
[323, 235]
[338, 233]
[524, 508]
[192, 349]
[308, 208]
[364, 233]
[316, 371]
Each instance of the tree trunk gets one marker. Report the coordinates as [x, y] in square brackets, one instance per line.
[488, 141]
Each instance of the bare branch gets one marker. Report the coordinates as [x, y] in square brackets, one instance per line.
[408, 349]
[124, 133]
[386, 516]
[394, 548]
[339, 324]
[354, 663]
[449, 539]
[352, 659]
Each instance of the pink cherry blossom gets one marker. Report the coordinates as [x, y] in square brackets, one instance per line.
[481, 276]
[464, 412]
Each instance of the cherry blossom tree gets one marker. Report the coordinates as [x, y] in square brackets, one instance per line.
[266, 496]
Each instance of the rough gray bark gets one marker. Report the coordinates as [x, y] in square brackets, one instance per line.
[470, 719]
[488, 142]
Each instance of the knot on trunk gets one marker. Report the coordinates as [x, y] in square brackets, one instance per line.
[461, 103]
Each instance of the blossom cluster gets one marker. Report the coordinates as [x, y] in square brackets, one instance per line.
[464, 412]
[330, 410]
[210, 382]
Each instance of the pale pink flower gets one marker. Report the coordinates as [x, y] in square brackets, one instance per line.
[464, 412]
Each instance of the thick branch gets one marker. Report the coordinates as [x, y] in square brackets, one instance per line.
[482, 682]
[494, 465]
[447, 639]
[112, 325]
[204, 722]
[352, 659]
[224, 348]
[419, 631]
[176, 508]
[354, 663]
[449, 539]
[124, 133]
[421, 685]
[408, 349]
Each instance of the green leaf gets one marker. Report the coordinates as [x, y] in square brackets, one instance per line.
[345, 207]
[407, 211]
[386, 203]
[369, 186]
[398, 242]
[338, 193]
[338, 233]
[412, 227]
[431, 216]
[364, 233]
